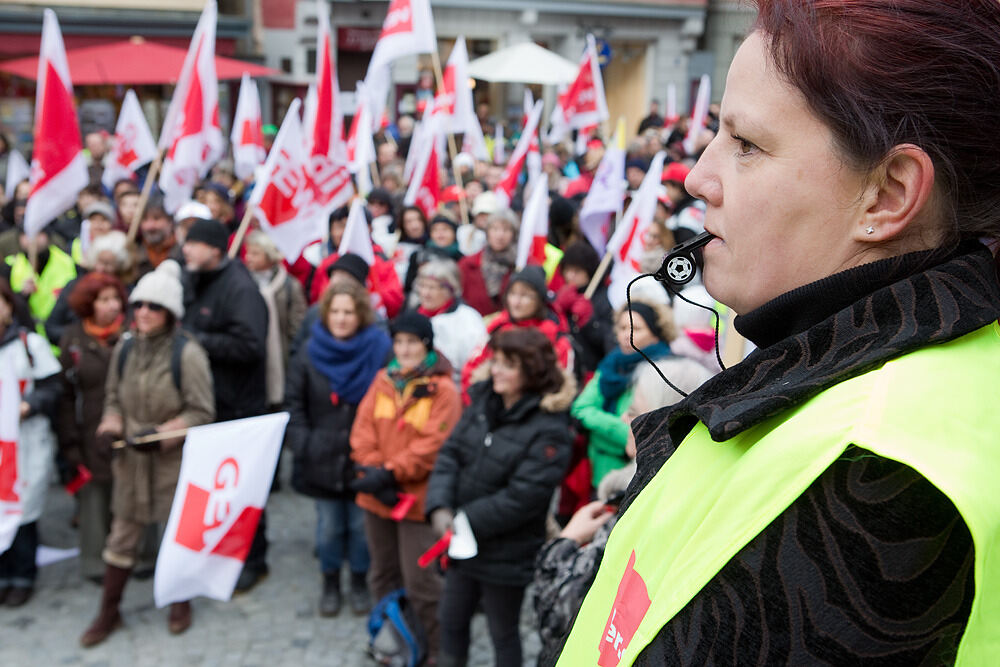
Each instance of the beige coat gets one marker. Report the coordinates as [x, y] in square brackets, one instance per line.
[144, 397]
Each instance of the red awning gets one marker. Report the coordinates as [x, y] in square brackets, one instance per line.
[132, 62]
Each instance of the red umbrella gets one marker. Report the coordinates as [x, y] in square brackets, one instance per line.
[132, 62]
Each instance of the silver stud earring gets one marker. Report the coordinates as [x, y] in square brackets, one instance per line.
[870, 230]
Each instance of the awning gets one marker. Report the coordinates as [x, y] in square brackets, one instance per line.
[524, 63]
[132, 62]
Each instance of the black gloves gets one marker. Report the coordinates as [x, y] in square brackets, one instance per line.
[146, 447]
[377, 481]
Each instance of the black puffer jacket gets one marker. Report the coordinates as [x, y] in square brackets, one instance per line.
[501, 467]
[226, 313]
[318, 433]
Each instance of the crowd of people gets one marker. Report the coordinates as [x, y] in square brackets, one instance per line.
[494, 395]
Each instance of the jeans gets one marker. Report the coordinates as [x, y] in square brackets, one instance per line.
[17, 564]
[502, 605]
[340, 532]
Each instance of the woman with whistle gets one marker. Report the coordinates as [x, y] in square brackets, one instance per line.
[831, 499]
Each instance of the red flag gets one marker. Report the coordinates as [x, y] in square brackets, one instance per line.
[133, 145]
[630, 606]
[425, 181]
[508, 181]
[583, 104]
[247, 136]
[191, 132]
[58, 167]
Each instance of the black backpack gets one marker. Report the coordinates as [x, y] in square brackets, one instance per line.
[176, 350]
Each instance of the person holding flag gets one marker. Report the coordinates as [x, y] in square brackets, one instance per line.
[158, 381]
[26, 360]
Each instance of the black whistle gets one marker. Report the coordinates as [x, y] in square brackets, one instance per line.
[678, 267]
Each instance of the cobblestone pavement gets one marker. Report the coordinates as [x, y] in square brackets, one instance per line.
[274, 624]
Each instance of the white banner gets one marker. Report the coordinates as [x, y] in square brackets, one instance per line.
[10, 416]
[225, 478]
[133, 145]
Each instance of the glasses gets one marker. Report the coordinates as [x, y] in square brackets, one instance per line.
[155, 307]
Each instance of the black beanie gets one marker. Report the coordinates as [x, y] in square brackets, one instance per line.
[443, 219]
[412, 322]
[583, 256]
[352, 264]
[209, 232]
[534, 277]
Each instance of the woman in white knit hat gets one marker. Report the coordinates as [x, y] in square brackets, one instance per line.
[158, 381]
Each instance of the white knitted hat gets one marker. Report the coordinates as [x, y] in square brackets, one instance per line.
[163, 287]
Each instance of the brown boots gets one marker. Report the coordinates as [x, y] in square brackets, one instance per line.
[108, 618]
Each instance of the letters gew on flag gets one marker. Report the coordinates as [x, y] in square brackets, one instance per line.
[10, 500]
[133, 143]
[224, 481]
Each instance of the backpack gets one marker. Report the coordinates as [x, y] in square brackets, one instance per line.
[395, 636]
[176, 350]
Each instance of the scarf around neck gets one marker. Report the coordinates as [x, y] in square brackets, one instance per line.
[349, 365]
[616, 371]
[496, 265]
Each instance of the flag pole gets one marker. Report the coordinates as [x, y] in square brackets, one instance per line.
[598, 278]
[152, 437]
[147, 187]
[234, 249]
[376, 179]
[439, 77]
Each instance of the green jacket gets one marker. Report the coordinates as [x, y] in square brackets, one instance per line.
[59, 270]
[608, 433]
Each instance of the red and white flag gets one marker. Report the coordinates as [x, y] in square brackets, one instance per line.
[133, 143]
[508, 181]
[628, 242]
[224, 481]
[10, 417]
[284, 198]
[58, 167]
[357, 238]
[534, 159]
[534, 232]
[191, 133]
[360, 143]
[247, 136]
[425, 180]
[699, 114]
[17, 172]
[324, 126]
[607, 193]
[454, 102]
[583, 104]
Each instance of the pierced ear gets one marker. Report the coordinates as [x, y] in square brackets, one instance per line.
[900, 193]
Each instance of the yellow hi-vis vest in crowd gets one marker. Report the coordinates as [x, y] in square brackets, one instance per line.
[58, 271]
[934, 410]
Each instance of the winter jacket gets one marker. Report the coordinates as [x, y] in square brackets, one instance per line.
[458, 333]
[286, 308]
[318, 432]
[606, 430]
[403, 431]
[500, 467]
[85, 362]
[474, 285]
[57, 270]
[145, 396]
[383, 283]
[227, 315]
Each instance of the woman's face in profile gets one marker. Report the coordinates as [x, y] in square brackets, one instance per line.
[786, 210]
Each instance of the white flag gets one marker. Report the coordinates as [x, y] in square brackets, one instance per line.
[408, 29]
[225, 477]
[58, 168]
[133, 144]
[357, 238]
[10, 417]
[499, 154]
[191, 133]
[534, 231]
[247, 136]
[627, 243]
[607, 192]
[699, 114]
[17, 172]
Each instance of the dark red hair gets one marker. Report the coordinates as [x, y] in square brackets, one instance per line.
[85, 292]
[534, 352]
[882, 73]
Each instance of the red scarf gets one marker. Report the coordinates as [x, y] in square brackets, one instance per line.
[437, 311]
[100, 333]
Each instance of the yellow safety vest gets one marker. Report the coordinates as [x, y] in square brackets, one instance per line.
[553, 256]
[933, 409]
[58, 271]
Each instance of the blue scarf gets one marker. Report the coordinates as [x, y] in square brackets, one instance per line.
[617, 368]
[350, 365]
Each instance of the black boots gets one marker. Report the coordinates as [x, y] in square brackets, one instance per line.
[361, 600]
[329, 603]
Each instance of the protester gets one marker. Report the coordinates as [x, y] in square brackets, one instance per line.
[498, 470]
[820, 504]
[156, 229]
[440, 245]
[402, 422]
[458, 329]
[98, 300]
[591, 321]
[37, 372]
[412, 237]
[100, 219]
[486, 273]
[327, 380]
[39, 285]
[472, 237]
[148, 392]
[226, 314]
[286, 307]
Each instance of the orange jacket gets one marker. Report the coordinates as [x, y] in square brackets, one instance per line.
[404, 431]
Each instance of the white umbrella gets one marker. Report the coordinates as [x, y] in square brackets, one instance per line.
[524, 63]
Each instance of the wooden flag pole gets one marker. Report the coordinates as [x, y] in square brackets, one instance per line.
[152, 437]
[147, 187]
[595, 282]
[376, 179]
[234, 249]
[463, 207]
